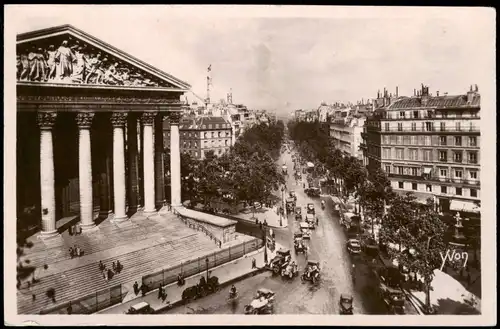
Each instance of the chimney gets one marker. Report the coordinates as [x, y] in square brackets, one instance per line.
[414, 92]
[437, 93]
[397, 91]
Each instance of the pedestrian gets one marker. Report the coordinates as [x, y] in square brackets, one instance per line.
[71, 252]
[69, 309]
[253, 263]
[119, 266]
[164, 294]
[160, 292]
[78, 251]
[105, 275]
[101, 266]
[71, 230]
[136, 288]
[143, 290]
[113, 265]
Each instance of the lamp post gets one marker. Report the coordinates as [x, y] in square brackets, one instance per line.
[264, 234]
[283, 203]
[206, 261]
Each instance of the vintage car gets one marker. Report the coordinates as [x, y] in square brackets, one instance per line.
[262, 302]
[140, 308]
[393, 298]
[298, 243]
[203, 288]
[312, 192]
[298, 213]
[311, 272]
[290, 271]
[310, 208]
[345, 304]
[290, 204]
[282, 259]
[304, 229]
[310, 219]
[284, 170]
[353, 246]
[293, 195]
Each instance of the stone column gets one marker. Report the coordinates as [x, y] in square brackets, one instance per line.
[133, 164]
[118, 120]
[46, 121]
[84, 121]
[106, 146]
[159, 163]
[175, 159]
[148, 165]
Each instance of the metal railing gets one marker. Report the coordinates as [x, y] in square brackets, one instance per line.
[432, 129]
[191, 223]
[89, 304]
[200, 264]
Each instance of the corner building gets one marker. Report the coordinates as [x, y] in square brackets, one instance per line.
[430, 145]
[90, 131]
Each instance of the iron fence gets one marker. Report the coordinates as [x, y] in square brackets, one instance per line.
[89, 304]
[200, 264]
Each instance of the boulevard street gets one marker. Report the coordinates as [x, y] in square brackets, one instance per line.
[327, 245]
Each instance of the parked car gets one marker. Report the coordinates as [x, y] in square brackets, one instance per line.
[353, 246]
[310, 208]
[140, 308]
[345, 304]
[304, 229]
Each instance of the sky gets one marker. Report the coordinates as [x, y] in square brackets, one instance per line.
[286, 60]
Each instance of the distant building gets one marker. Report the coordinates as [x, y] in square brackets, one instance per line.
[199, 135]
[429, 145]
[346, 134]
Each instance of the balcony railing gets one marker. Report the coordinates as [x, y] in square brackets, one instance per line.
[433, 129]
[436, 179]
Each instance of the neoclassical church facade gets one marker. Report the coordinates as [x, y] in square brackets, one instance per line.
[89, 132]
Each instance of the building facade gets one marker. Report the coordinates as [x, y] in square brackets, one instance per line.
[430, 145]
[346, 135]
[200, 135]
[89, 131]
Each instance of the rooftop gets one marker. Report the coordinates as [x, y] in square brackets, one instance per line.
[198, 123]
[436, 102]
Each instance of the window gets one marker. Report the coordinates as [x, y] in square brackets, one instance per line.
[473, 193]
[414, 186]
[210, 126]
[400, 126]
[386, 153]
[458, 190]
[458, 173]
[442, 140]
[196, 154]
[401, 185]
[443, 156]
[473, 141]
[458, 140]
[415, 114]
[442, 126]
[213, 134]
[400, 170]
[445, 115]
[399, 153]
[443, 172]
[226, 142]
[473, 174]
[427, 140]
[393, 139]
[399, 140]
[444, 189]
[429, 114]
[420, 140]
[472, 157]
[474, 114]
[457, 156]
[386, 126]
[406, 140]
[413, 140]
[413, 126]
[458, 114]
[220, 134]
[402, 114]
[412, 154]
[428, 188]
[426, 155]
[204, 135]
[414, 171]
[388, 169]
[386, 139]
[457, 126]
[428, 126]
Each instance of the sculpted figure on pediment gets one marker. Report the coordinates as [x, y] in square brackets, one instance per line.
[73, 62]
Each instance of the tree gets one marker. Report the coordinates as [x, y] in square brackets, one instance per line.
[421, 229]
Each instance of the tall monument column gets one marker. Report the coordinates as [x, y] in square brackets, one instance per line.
[118, 120]
[175, 158]
[148, 119]
[46, 121]
[84, 121]
[133, 164]
[159, 163]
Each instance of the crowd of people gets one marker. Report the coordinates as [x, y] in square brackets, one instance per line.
[109, 273]
[75, 251]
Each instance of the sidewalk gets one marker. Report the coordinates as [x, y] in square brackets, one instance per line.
[448, 296]
[269, 215]
[226, 273]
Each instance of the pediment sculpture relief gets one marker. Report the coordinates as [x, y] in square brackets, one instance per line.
[66, 60]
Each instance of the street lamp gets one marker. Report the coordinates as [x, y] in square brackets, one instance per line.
[283, 203]
[265, 245]
[206, 261]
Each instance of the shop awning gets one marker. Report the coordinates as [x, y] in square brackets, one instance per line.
[467, 206]
[427, 170]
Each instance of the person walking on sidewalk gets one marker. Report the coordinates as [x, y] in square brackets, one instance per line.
[136, 288]
[160, 292]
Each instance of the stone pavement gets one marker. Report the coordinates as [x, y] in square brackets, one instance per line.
[226, 273]
[269, 215]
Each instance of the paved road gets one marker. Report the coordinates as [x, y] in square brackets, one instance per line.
[296, 297]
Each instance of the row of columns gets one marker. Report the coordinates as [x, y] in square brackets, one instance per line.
[152, 143]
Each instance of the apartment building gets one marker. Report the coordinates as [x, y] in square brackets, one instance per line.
[346, 134]
[429, 145]
[201, 134]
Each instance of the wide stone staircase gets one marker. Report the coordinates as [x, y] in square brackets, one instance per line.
[141, 245]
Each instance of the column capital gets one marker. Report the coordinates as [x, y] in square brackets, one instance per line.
[174, 117]
[118, 119]
[46, 120]
[84, 119]
[148, 118]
